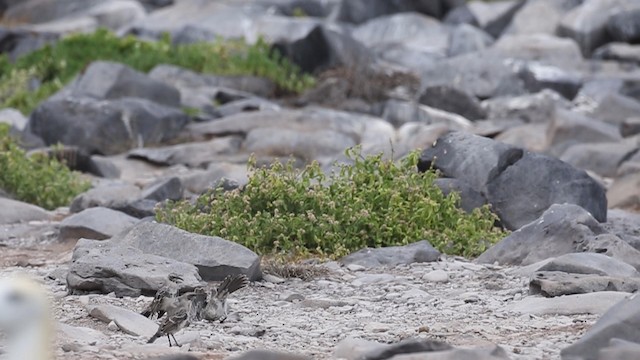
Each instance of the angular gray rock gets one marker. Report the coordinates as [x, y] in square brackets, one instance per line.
[215, 257]
[522, 192]
[465, 39]
[186, 79]
[104, 267]
[494, 17]
[469, 198]
[164, 189]
[619, 322]
[531, 108]
[587, 23]
[472, 159]
[624, 26]
[592, 303]
[540, 16]
[590, 263]
[96, 223]
[411, 29]
[13, 211]
[80, 335]
[324, 48]
[544, 48]
[130, 322]
[195, 154]
[558, 283]
[624, 192]
[481, 74]
[601, 158]
[453, 100]
[105, 127]
[615, 109]
[519, 185]
[561, 229]
[618, 52]
[106, 80]
[110, 195]
[420, 251]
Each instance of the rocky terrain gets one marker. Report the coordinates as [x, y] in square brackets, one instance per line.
[530, 106]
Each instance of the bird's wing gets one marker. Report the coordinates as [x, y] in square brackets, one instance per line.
[156, 304]
[173, 323]
[231, 284]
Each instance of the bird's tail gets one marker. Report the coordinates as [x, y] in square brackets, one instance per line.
[231, 284]
[154, 337]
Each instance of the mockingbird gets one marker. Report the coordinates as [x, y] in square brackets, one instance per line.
[164, 298]
[216, 307]
[178, 316]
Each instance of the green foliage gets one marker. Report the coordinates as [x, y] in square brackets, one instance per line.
[36, 179]
[55, 65]
[370, 203]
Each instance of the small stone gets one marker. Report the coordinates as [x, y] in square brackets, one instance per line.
[273, 279]
[112, 326]
[291, 297]
[375, 327]
[436, 276]
[355, 267]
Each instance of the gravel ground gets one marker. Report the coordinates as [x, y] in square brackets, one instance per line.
[312, 317]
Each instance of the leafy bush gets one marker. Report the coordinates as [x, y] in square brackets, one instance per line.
[370, 203]
[55, 65]
[36, 179]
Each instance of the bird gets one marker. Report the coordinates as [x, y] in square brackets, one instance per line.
[216, 307]
[198, 302]
[25, 319]
[164, 298]
[175, 321]
[180, 313]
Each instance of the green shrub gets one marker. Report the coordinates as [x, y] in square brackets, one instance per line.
[55, 65]
[36, 179]
[370, 203]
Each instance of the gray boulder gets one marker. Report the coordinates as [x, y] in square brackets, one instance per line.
[420, 251]
[624, 26]
[601, 158]
[97, 223]
[591, 303]
[544, 48]
[359, 11]
[219, 85]
[128, 321]
[194, 154]
[531, 185]
[540, 16]
[164, 189]
[587, 23]
[413, 30]
[469, 198]
[619, 322]
[105, 127]
[111, 195]
[519, 185]
[465, 39]
[530, 108]
[324, 48]
[476, 160]
[590, 263]
[557, 283]
[481, 74]
[618, 52]
[624, 192]
[615, 109]
[105, 80]
[493, 17]
[568, 128]
[105, 267]
[13, 211]
[215, 257]
[560, 230]
[453, 100]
